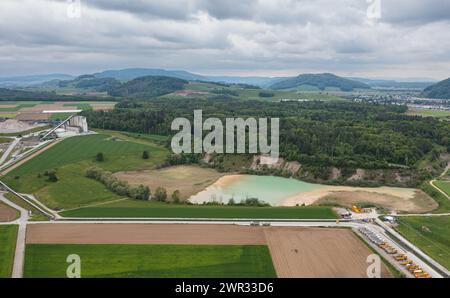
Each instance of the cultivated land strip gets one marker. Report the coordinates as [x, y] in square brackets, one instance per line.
[144, 234]
[19, 255]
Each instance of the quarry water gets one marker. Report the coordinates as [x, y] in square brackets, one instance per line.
[269, 189]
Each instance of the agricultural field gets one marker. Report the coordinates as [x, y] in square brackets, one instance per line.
[4, 140]
[8, 236]
[7, 213]
[33, 111]
[430, 113]
[430, 234]
[191, 250]
[318, 253]
[134, 261]
[207, 90]
[70, 158]
[133, 208]
[443, 185]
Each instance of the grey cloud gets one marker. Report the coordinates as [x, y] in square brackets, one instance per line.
[254, 36]
[415, 12]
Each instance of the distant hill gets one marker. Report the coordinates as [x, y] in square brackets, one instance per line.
[20, 95]
[439, 90]
[148, 86]
[133, 73]
[393, 84]
[320, 81]
[256, 81]
[90, 82]
[30, 80]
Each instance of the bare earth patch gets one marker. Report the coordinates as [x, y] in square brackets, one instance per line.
[7, 213]
[189, 180]
[144, 234]
[311, 252]
[392, 198]
[419, 203]
[15, 126]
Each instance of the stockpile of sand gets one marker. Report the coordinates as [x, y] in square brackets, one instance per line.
[13, 126]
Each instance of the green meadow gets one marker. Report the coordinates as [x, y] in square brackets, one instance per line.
[70, 158]
[136, 209]
[138, 261]
[430, 234]
[8, 234]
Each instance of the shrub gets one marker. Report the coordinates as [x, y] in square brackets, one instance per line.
[121, 188]
[99, 157]
[176, 197]
[160, 194]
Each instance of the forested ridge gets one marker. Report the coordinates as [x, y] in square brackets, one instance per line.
[341, 134]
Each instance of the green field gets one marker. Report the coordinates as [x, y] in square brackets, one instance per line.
[430, 113]
[253, 94]
[133, 208]
[79, 106]
[444, 203]
[443, 185]
[71, 158]
[8, 236]
[17, 107]
[5, 140]
[430, 234]
[60, 116]
[135, 261]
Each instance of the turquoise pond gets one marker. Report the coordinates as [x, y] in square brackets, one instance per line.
[269, 189]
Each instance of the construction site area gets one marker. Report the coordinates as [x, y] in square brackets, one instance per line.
[25, 128]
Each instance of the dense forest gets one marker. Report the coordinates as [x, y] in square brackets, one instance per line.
[148, 86]
[340, 134]
[19, 95]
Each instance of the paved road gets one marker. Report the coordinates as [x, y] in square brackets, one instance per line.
[423, 215]
[9, 150]
[19, 255]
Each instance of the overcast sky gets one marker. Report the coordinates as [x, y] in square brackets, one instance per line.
[409, 39]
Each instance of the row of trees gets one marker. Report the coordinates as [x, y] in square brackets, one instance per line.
[121, 188]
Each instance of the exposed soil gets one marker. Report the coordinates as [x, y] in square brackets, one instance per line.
[418, 203]
[144, 234]
[7, 213]
[311, 252]
[189, 180]
[296, 252]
